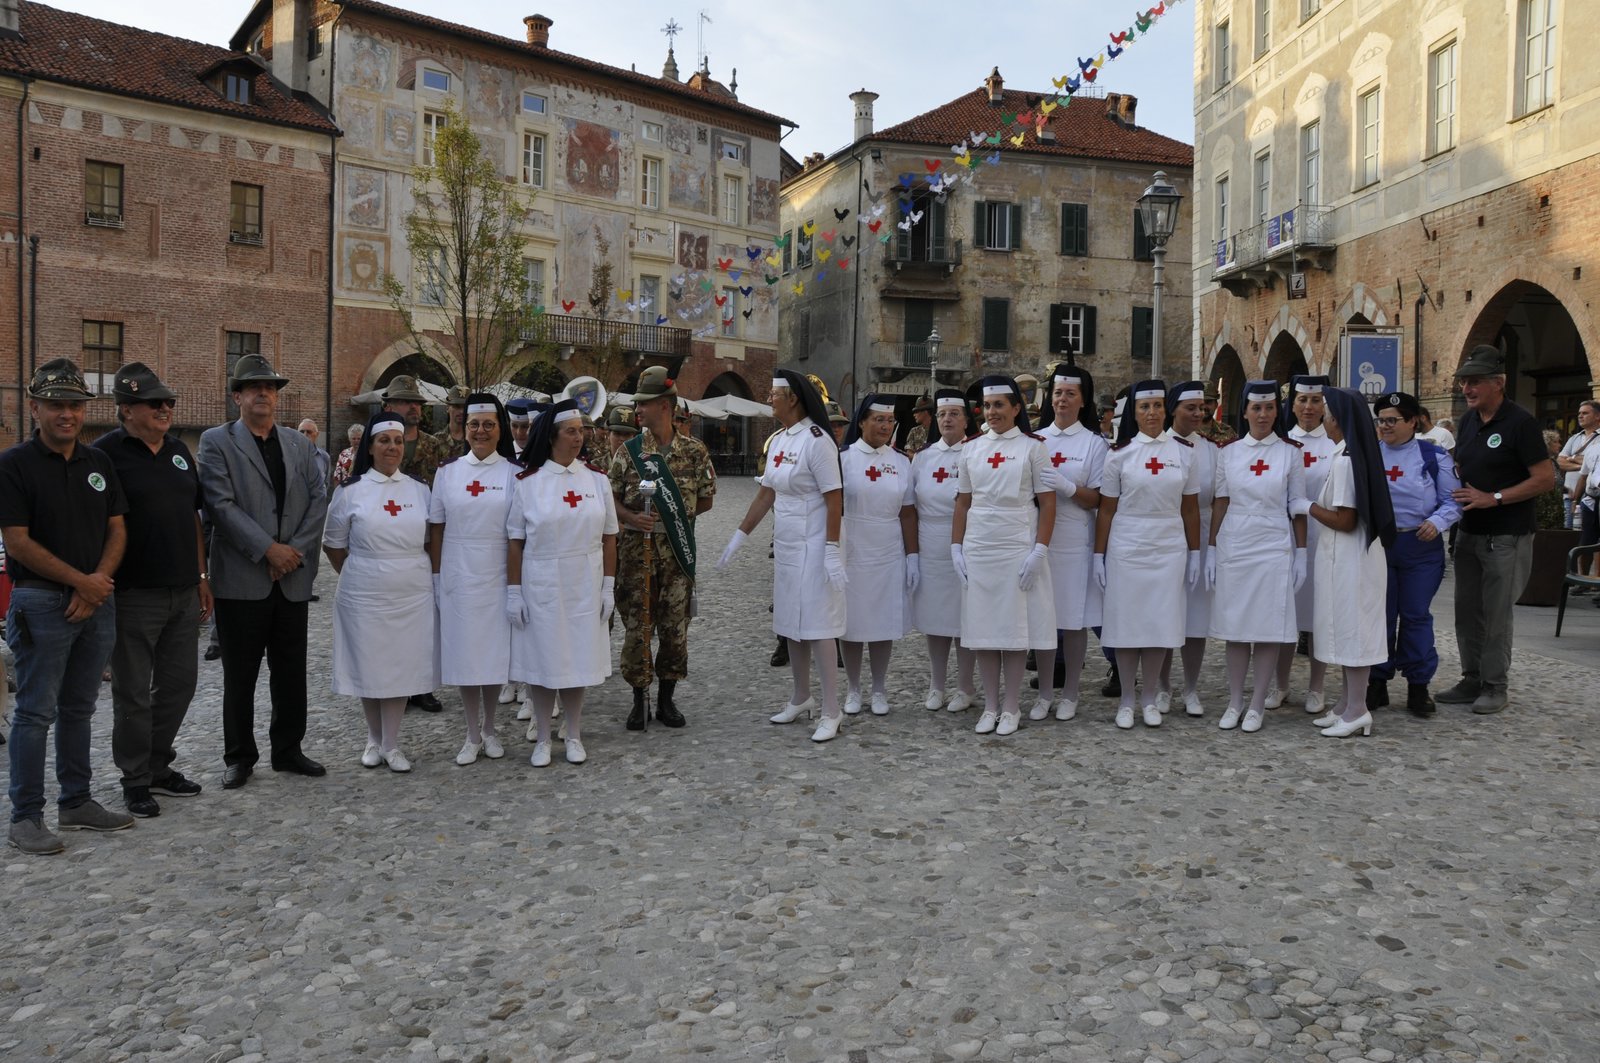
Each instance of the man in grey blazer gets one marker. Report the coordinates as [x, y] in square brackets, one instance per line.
[267, 501]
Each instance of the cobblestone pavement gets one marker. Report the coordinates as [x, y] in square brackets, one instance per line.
[910, 891]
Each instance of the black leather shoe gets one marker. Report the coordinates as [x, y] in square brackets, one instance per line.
[780, 656]
[213, 652]
[235, 776]
[140, 803]
[1418, 701]
[666, 711]
[426, 702]
[297, 763]
[640, 715]
[1113, 684]
[1032, 663]
[1378, 694]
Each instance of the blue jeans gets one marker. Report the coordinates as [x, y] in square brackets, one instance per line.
[59, 664]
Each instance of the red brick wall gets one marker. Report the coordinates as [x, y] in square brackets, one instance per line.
[170, 275]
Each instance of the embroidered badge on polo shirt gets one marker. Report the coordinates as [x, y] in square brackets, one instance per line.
[1494, 440]
[177, 459]
[97, 481]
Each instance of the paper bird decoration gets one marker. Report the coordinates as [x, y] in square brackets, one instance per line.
[568, 305]
[841, 215]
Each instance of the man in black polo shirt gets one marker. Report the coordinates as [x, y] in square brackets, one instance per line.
[162, 590]
[61, 512]
[1504, 466]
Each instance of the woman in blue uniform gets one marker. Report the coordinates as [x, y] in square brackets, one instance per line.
[1422, 480]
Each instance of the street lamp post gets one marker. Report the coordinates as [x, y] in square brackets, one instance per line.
[1158, 212]
[934, 340]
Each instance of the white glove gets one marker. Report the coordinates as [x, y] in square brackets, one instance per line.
[1028, 574]
[913, 571]
[1097, 565]
[959, 560]
[731, 549]
[437, 592]
[1191, 571]
[1052, 480]
[608, 598]
[1299, 567]
[833, 564]
[1211, 569]
[516, 608]
[1065, 486]
[1299, 507]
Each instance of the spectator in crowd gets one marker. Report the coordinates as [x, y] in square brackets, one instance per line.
[345, 466]
[1570, 460]
[61, 514]
[162, 595]
[309, 429]
[267, 504]
[1440, 433]
[1504, 467]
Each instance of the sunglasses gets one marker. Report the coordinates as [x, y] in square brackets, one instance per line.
[156, 404]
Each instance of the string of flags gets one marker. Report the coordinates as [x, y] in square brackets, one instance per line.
[756, 275]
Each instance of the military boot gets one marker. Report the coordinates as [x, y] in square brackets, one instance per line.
[666, 711]
[640, 715]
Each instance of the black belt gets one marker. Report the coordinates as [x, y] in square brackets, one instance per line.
[37, 585]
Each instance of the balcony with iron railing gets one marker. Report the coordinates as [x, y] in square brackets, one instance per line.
[942, 255]
[1252, 257]
[590, 333]
[902, 368]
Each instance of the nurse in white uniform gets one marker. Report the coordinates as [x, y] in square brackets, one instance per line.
[802, 483]
[1352, 570]
[1147, 545]
[1077, 456]
[467, 546]
[1304, 420]
[1258, 533]
[561, 566]
[376, 537]
[881, 560]
[936, 602]
[1186, 413]
[1000, 543]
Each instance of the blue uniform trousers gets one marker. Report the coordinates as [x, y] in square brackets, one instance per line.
[1416, 569]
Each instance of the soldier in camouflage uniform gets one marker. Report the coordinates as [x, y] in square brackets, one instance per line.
[423, 456]
[424, 453]
[917, 438]
[454, 437]
[1218, 431]
[655, 400]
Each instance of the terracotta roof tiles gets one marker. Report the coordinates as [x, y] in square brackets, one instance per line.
[1086, 128]
[74, 49]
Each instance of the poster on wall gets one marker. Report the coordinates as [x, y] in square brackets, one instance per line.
[1370, 360]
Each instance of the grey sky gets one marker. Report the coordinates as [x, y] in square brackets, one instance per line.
[801, 60]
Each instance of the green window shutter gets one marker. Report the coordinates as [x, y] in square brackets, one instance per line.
[937, 239]
[996, 313]
[1141, 243]
[1057, 339]
[1088, 330]
[1074, 229]
[1066, 228]
[1143, 320]
[1016, 226]
[980, 224]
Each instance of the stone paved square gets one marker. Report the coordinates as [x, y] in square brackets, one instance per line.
[910, 891]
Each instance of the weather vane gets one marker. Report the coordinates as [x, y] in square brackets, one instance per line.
[671, 29]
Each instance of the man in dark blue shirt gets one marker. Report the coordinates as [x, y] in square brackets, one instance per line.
[163, 591]
[61, 510]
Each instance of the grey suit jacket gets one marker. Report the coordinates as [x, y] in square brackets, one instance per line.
[242, 508]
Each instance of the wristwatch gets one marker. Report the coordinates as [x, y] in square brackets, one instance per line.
[1499, 499]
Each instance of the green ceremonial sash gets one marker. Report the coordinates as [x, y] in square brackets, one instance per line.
[675, 517]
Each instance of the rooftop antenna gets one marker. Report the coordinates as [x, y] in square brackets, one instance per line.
[700, 37]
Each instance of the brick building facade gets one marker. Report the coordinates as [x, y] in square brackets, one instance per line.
[176, 226]
[1417, 172]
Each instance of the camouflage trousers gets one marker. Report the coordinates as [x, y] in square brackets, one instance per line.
[669, 611]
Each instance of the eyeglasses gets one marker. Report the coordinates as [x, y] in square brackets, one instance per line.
[156, 404]
[1389, 422]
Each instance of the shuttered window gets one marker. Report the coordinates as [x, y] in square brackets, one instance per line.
[1143, 332]
[997, 324]
[1075, 229]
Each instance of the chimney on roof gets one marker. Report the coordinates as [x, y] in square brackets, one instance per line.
[863, 101]
[995, 84]
[538, 30]
[1120, 107]
[291, 25]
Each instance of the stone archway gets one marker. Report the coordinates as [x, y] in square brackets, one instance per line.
[1547, 362]
[1227, 375]
[383, 367]
[1285, 358]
